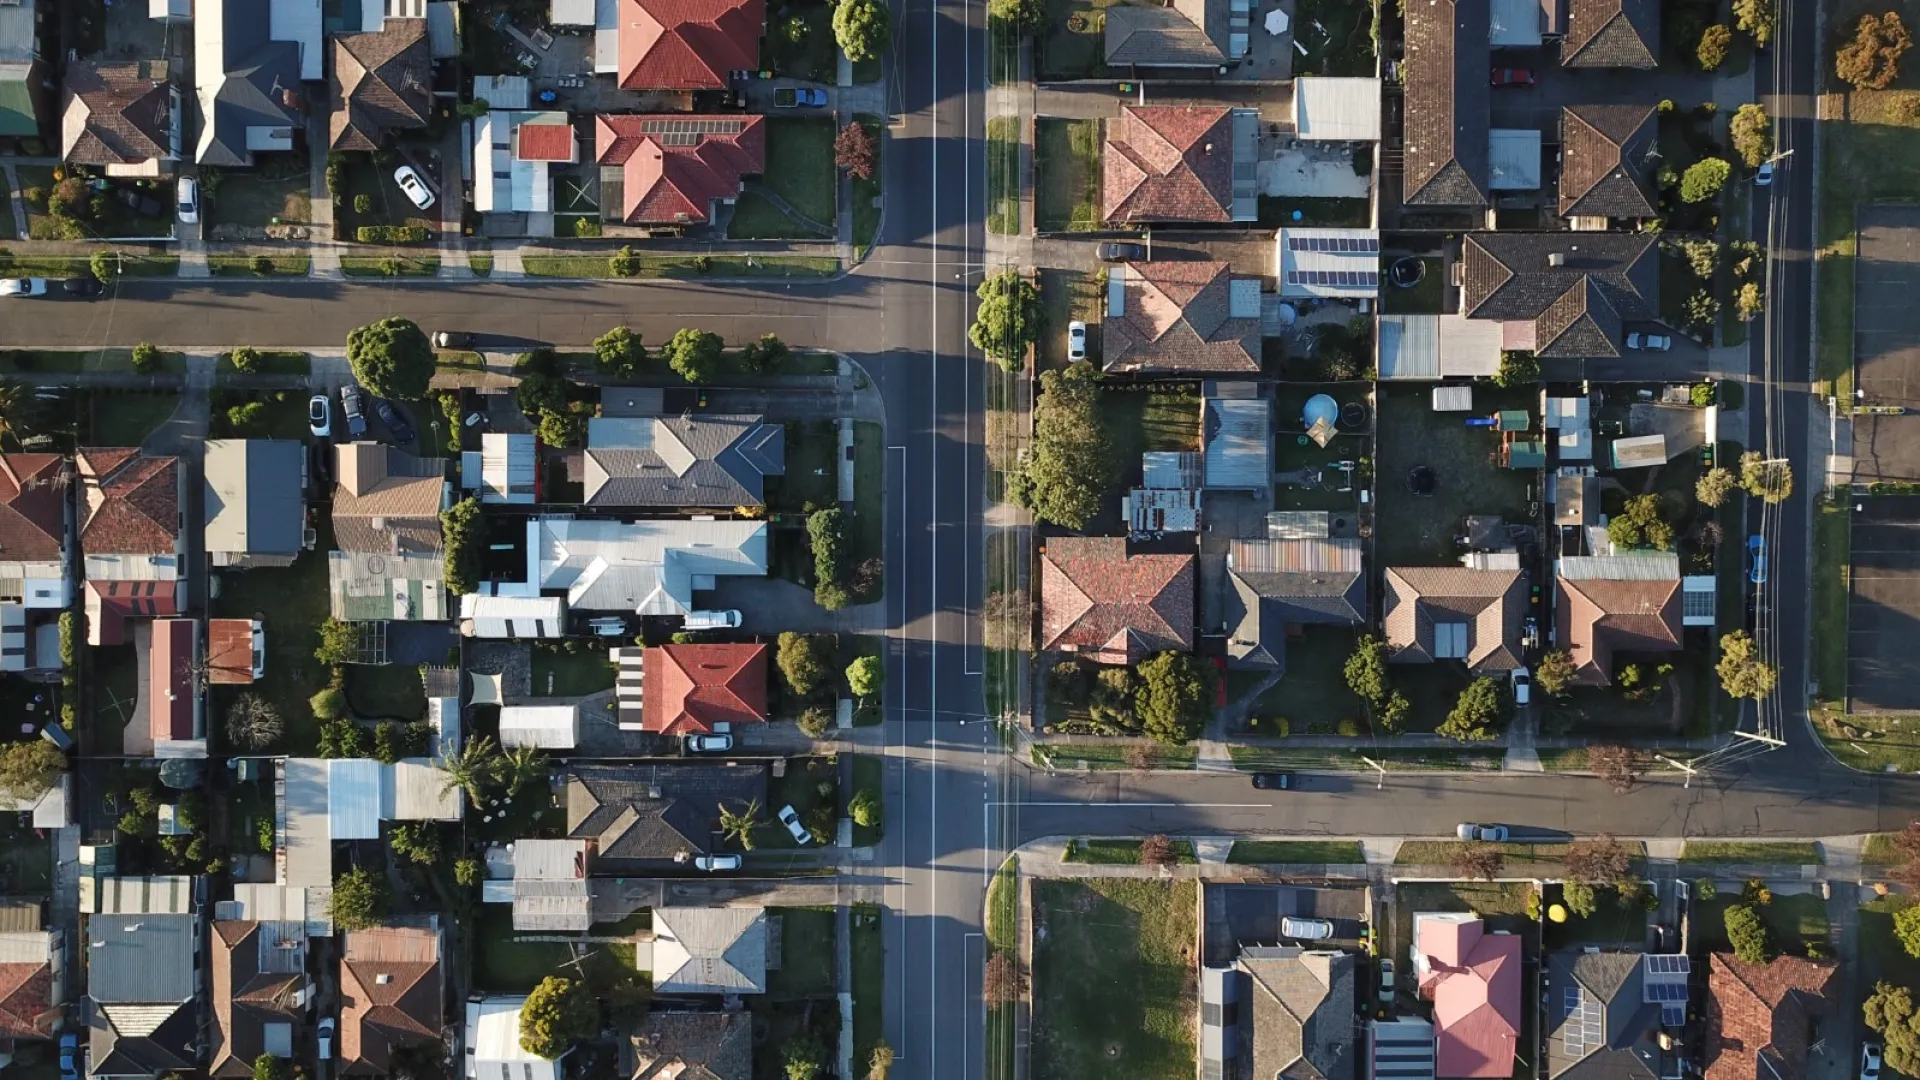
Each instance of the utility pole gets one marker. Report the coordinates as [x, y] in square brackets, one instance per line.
[1682, 766]
[1379, 769]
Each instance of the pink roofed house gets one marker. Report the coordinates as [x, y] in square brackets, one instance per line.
[1473, 978]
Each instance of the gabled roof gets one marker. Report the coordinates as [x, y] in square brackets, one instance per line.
[386, 500]
[1168, 163]
[1760, 1016]
[1604, 161]
[1607, 607]
[545, 142]
[1452, 612]
[1186, 34]
[26, 996]
[688, 44]
[391, 986]
[1446, 103]
[140, 988]
[656, 813]
[111, 604]
[1179, 316]
[717, 461]
[1600, 1025]
[709, 950]
[382, 81]
[32, 507]
[1612, 34]
[690, 688]
[246, 998]
[243, 78]
[1274, 584]
[116, 114]
[650, 567]
[170, 696]
[253, 500]
[132, 502]
[1473, 978]
[1114, 607]
[690, 1046]
[1575, 287]
[672, 167]
[1302, 1025]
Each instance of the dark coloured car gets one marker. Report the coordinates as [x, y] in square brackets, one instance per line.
[1273, 781]
[1515, 77]
[353, 404]
[1122, 251]
[82, 286]
[390, 416]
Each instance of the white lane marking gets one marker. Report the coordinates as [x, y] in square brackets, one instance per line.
[1144, 805]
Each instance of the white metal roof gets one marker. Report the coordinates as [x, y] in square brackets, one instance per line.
[414, 789]
[172, 895]
[306, 850]
[1513, 159]
[1238, 445]
[1640, 451]
[570, 13]
[649, 567]
[547, 727]
[1453, 399]
[1338, 109]
[550, 860]
[1437, 347]
[501, 91]
[443, 715]
[493, 1043]
[1640, 566]
[353, 799]
[513, 616]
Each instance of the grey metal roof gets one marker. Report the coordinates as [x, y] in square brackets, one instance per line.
[254, 502]
[709, 950]
[140, 959]
[1598, 1025]
[1236, 435]
[247, 72]
[707, 460]
[17, 32]
[1647, 566]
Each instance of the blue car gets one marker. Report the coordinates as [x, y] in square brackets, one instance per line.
[69, 1048]
[1757, 559]
[390, 416]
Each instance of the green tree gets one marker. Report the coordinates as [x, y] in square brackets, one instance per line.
[1712, 51]
[1704, 179]
[1517, 369]
[557, 1014]
[105, 266]
[1749, 301]
[360, 899]
[1755, 17]
[29, 768]
[768, 353]
[1476, 714]
[1871, 61]
[1172, 697]
[1024, 16]
[268, 1067]
[740, 826]
[1747, 933]
[328, 704]
[1554, 673]
[1393, 715]
[1742, 673]
[1752, 132]
[462, 529]
[473, 768]
[861, 27]
[1366, 671]
[1906, 927]
[1640, 525]
[246, 359]
[1766, 478]
[1071, 463]
[865, 808]
[801, 1058]
[1010, 316]
[814, 721]
[803, 660]
[1714, 486]
[695, 354]
[865, 676]
[619, 352]
[563, 428]
[392, 358]
[467, 871]
[416, 841]
[1579, 899]
[1702, 254]
[146, 358]
[1889, 1010]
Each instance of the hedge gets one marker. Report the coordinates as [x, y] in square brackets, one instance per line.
[390, 234]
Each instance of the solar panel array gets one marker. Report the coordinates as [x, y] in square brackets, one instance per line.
[1358, 245]
[1673, 1016]
[1582, 1022]
[1352, 279]
[686, 131]
[1664, 992]
[1668, 964]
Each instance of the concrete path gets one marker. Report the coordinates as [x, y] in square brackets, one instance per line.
[14, 200]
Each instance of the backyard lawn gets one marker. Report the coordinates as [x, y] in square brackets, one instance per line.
[1424, 298]
[1066, 174]
[806, 952]
[292, 601]
[1881, 956]
[1167, 418]
[799, 44]
[508, 964]
[1466, 478]
[386, 692]
[571, 674]
[113, 681]
[1113, 979]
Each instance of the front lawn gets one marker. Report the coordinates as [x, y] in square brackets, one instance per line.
[811, 786]
[127, 419]
[800, 166]
[1794, 918]
[1100, 757]
[869, 979]
[1881, 956]
[755, 217]
[255, 199]
[571, 674]
[1066, 174]
[869, 774]
[1733, 852]
[1069, 295]
[260, 265]
[866, 193]
[1075, 43]
[1003, 175]
[1312, 697]
[1307, 852]
[1120, 852]
[806, 952]
[1113, 979]
[393, 264]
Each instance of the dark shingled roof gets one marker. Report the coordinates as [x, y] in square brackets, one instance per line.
[655, 813]
[1187, 34]
[1300, 582]
[1576, 305]
[1628, 1046]
[1302, 1026]
[1446, 103]
[1605, 161]
[261, 84]
[382, 80]
[1612, 34]
[710, 460]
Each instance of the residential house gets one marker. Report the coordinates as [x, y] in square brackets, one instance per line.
[142, 1009]
[710, 950]
[260, 993]
[255, 501]
[392, 985]
[675, 169]
[26, 79]
[123, 117]
[1180, 163]
[249, 59]
[689, 1046]
[1100, 602]
[1607, 159]
[1606, 1012]
[1293, 1014]
[172, 698]
[33, 556]
[1446, 98]
[388, 503]
[1760, 1018]
[505, 471]
[1180, 317]
[522, 148]
[382, 82]
[654, 817]
[1275, 586]
[1473, 978]
[131, 535]
[697, 689]
[1327, 263]
[1618, 603]
[1455, 613]
[33, 971]
[665, 45]
[1187, 35]
[644, 567]
[493, 1042]
[716, 461]
[545, 881]
[1330, 109]
[1563, 294]
[1611, 34]
[323, 802]
[484, 615]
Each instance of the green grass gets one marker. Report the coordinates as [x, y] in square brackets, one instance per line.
[245, 266]
[1879, 851]
[1411, 434]
[1001, 923]
[1832, 552]
[1069, 53]
[869, 774]
[255, 199]
[1120, 852]
[1107, 756]
[800, 788]
[1113, 978]
[26, 860]
[686, 266]
[396, 265]
[868, 531]
[1881, 956]
[507, 965]
[806, 952]
[1068, 295]
[1795, 919]
[570, 674]
[386, 691]
[811, 55]
[1277, 211]
[270, 362]
[869, 979]
[1750, 851]
[126, 419]
[1308, 852]
[292, 601]
[1442, 852]
[1066, 175]
[1313, 695]
[1611, 923]
[800, 165]
[1003, 175]
[755, 217]
[481, 265]
[1423, 299]
[1339, 759]
[866, 193]
[133, 264]
[1160, 419]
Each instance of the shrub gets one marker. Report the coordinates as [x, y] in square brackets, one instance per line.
[363, 204]
[1712, 51]
[390, 234]
[1747, 933]
[328, 704]
[146, 358]
[586, 227]
[262, 265]
[246, 359]
[1704, 179]
[1871, 61]
[815, 720]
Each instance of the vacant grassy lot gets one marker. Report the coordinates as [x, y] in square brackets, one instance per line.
[1795, 919]
[252, 198]
[1113, 980]
[1296, 851]
[1466, 479]
[1066, 174]
[1725, 852]
[571, 674]
[1003, 175]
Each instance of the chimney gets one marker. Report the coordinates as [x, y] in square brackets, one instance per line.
[1208, 148]
[1558, 258]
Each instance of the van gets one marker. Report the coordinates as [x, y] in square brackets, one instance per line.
[1306, 929]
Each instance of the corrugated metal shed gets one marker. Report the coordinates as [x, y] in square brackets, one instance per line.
[1339, 555]
[1453, 399]
[496, 892]
[1162, 510]
[552, 905]
[1641, 566]
[1337, 109]
[414, 789]
[501, 91]
[1170, 469]
[1235, 434]
[493, 1043]
[570, 13]
[1513, 159]
[353, 799]
[306, 852]
[1296, 524]
[512, 616]
[550, 860]
[507, 469]
[1639, 451]
[546, 727]
[136, 895]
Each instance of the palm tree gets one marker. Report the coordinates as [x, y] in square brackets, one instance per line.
[15, 404]
[519, 767]
[471, 769]
[740, 826]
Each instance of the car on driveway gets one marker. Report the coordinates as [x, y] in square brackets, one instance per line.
[320, 416]
[709, 744]
[1273, 781]
[792, 821]
[82, 286]
[1870, 1062]
[1387, 984]
[323, 1036]
[793, 97]
[415, 188]
[1514, 77]
[354, 404]
[1649, 342]
[717, 864]
[187, 200]
[1305, 929]
[397, 424]
[1522, 686]
[1076, 340]
[1122, 251]
[1757, 559]
[69, 1055]
[1491, 834]
[24, 286]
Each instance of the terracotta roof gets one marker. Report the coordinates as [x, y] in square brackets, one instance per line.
[1600, 616]
[132, 502]
[1168, 163]
[545, 142]
[1489, 604]
[1447, 94]
[32, 501]
[391, 985]
[382, 80]
[1763, 1011]
[245, 998]
[387, 500]
[111, 604]
[1575, 287]
[688, 44]
[26, 1000]
[690, 688]
[1612, 34]
[690, 1046]
[1473, 979]
[1098, 601]
[230, 651]
[669, 176]
[115, 114]
[1178, 318]
[1605, 161]
[170, 695]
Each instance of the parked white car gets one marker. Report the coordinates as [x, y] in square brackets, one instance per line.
[323, 1035]
[24, 286]
[709, 744]
[187, 200]
[320, 416]
[1076, 340]
[1490, 834]
[792, 821]
[415, 188]
[717, 864]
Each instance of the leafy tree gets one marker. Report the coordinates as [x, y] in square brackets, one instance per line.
[1701, 309]
[1747, 933]
[1619, 766]
[253, 722]
[815, 720]
[861, 27]
[1906, 927]
[467, 871]
[880, 1062]
[768, 353]
[1748, 301]
[1484, 861]
[416, 841]
[740, 825]
[1752, 132]
[1111, 701]
[801, 1058]
[1516, 369]
[392, 358]
[1171, 699]
[462, 528]
[1554, 673]
[246, 359]
[1769, 479]
[564, 427]
[695, 354]
[29, 768]
[1601, 861]
[1071, 463]
[557, 1014]
[360, 899]
[1704, 179]
[1004, 980]
[1871, 61]
[471, 769]
[1712, 51]
[338, 642]
[105, 266]
[1889, 1010]
[865, 808]
[1714, 486]
[146, 358]
[1157, 850]
[1393, 716]
[803, 660]
[268, 1067]
[328, 704]
[624, 263]
[865, 676]
[1579, 899]
[1756, 17]
[1366, 671]
[1639, 525]
[1024, 16]
[1006, 620]
[1476, 714]
[619, 351]
[854, 151]
[1742, 673]
[1702, 254]
[1009, 319]
[826, 535]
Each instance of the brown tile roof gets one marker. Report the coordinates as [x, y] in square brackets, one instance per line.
[1178, 317]
[32, 507]
[110, 605]
[1447, 95]
[1490, 603]
[1600, 616]
[391, 985]
[387, 500]
[246, 999]
[382, 80]
[1168, 163]
[26, 1000]
[170, 695]
[1112, 607]
[230, 651]
[1604, 161]
[115, 114]
[666, 178]
[1763, 1011]
[545, 142]
[688, 44]
[690, 1046]
[1612, 34]
[690, 688]
[132, 502]
[1575, 287]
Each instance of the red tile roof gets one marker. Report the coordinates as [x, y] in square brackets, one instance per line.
[672, 177]
[1763, 1011]
[26, 1000]
[690, 688]
[1168, 163]
[133, 502]
[110, 604]
[545, 142]
[1473, 978]
[31, 516]
[391, 983]
[170, 680]
[1112, 607]
[688, 44]
[230, 651]
[1599, 616]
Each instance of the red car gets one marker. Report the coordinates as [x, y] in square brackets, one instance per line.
[1514, 77]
